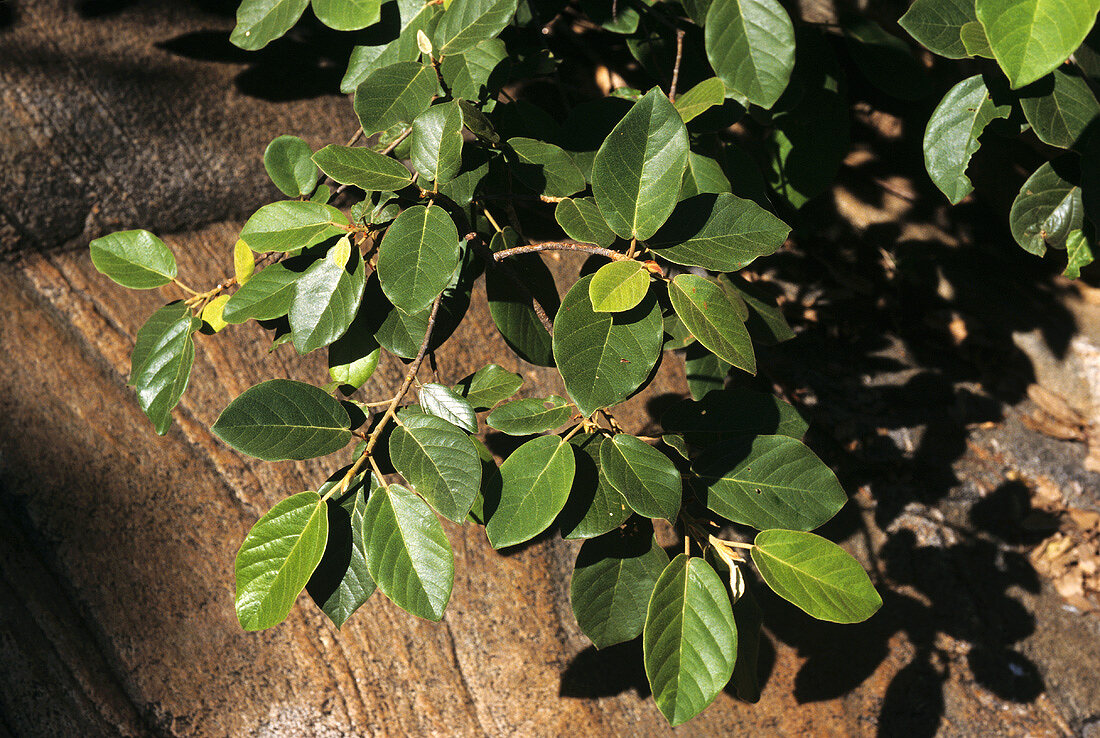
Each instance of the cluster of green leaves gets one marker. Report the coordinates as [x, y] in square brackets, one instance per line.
[667, 206]
[1047, 68]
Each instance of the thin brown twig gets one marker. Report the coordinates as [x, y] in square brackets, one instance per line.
[540, 312]
[534, 248]
[676, 66]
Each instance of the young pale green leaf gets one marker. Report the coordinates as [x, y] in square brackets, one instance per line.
[750, 45]
[536, 480]
[690, 639]
[469, 75]
[545, 168]
[277, 558]
[408, 553]
[815, 575]
[445, 403]
[720, 232]
[594, 506]
[703, 175]
[975, 41]
[347, 15]
[581, 220]
[280, 419]
[510, 301]
[259, 22]
[645, 477]
[439, 460]
[436, 142]
[937, 25]
[1060, 108]
[530, 415]
[772, 482]
[291, 225]
[364, 60]
[244, 262]
[394, 95]
[467, 23]
[359, 166]
[135, 259]
[418, 256]
[712, 317]
[212, 314]
[733, 413]
[604, 357]
[704, 371]
[1078, 254]
[612, 582]
[702, 97]
[161, 363]
[267, 295]
[637, 171]
[341, 583]
[1048, 208]
[1030, 38]
[489, 385]
[884, 59]
[618, 286]
[952, 134]
[353, 357]
[326, 298]
[288, 161]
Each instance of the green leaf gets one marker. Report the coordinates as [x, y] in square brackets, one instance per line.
[277, 558]
[439, 460]
[975, 40]
[545, 168]
[408, 553]
[610, 16]
[292, 225]
[1060, 108]
[1048, 208]
[531, 415]
[288, 163]
[594, 506]
[700, 98]
[952, 134]
[359, 166]
[161, 363]
[341, 583]
[703, 175]
[766, 323]
[326, 298]
[418, 256]
[394, 95]
[618, 286]
[1030, 38]
[347, 15]
[436, 142]
[445, 403]
[720, 232]
[637, 171]
[279, 419]
[467, 23]
[489, 385]
[750, 45]
[510, 304]
[772, 482]
[604, 357]
[581, 220]
[884, 59]
[612, 582]
[402, 333]
[937, 25]
[477, 122]
[536, 480]
[690, 640]
[733, 413]
[353, 357]
[469, 75]
[267, 295]
[815, 575]
[645, 477]
[711, 315]
[704, 371]
[259, 22]
[1078, 254]
[135, 259]
[415, 16]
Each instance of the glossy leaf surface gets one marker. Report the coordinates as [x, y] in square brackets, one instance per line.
[536, 479]
[135, 259]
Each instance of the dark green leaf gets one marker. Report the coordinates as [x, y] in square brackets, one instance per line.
[408, 553]
[259, 22]
[938, 24]
[288, 162]
[586, 128]
[975, 41]
[750, 45]
[700, 98]
[277, 558]
[418, 257]
[611, 16]
[402, 333]
[511, 307]
[347, 15]
[612, 583]
[690, 639]
[581, 220]
[712, 317]
[703, 175]
[604, 357]
[618, 286]
[477, 122]
[341, 583]
[1030, 38]
[267, 295]
[720, 232]
[884, 59]
[704, 371]
[436, 142]
[536, 480]
[637, 171]
[749, 618]
[645, 477]
[438, 460]
[292, 225]
[531, 415]
[467, 23]
[445, 403]
[135, 259]
[394, 95]
[363, 168]
[489, 385]
[161, 363]
[766, 322]
[594, 506]
[545, 168]
[1048, 208]
[326, 298]
[815, 575]
[1060, 108]
[468, 74]
[280, 419]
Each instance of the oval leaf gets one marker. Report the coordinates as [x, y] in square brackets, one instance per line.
[288, 162]
[713, 317]
[545, 168]
[445, 403]
[937, 25]
[394, 95]
[277, 558]
[720, 232]
[291, 225]
[469, 22]
[359, 166]
[536, 479]
[439, 461]
[594, 506]
[489, 385]
[815, 575]
[161, 362]
[1030, 38]
[700, 98]
[645, 477]
[618, 286]
[259, 22]
[347, 15]
[581, 220]
[418, 257]
[326, 298]
[436, 143]
[135, 259]
[1060, 108]
[1048, 208]
[527, 416]
[750, 45]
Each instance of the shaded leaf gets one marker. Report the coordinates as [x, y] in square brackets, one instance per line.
[510, 305]
[712, 317]
[884, 59]
[703, 175]
[1060, 108]
[545, 168]
[414, 16]
[704, 371]
[469, 74]
[937, 25]
[594, 506]
[1048, 208]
